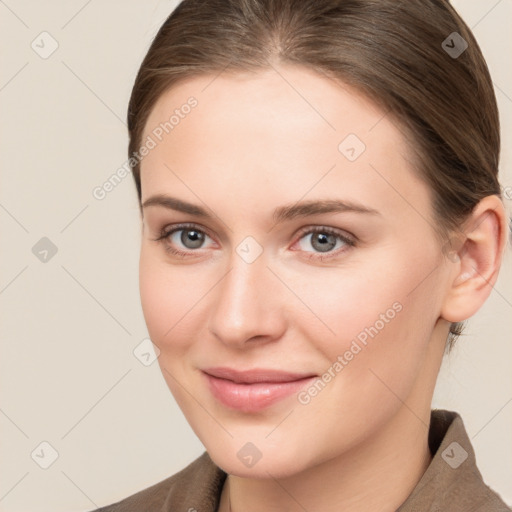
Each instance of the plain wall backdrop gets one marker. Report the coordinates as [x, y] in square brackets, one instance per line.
[69, 298]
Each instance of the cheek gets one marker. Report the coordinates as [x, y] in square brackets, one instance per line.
[167, 297]
[380, 311]
[154, 296]
[344, 301]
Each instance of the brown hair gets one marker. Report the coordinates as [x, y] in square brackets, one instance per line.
[396, 52]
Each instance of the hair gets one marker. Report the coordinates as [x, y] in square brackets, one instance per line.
[389, 50]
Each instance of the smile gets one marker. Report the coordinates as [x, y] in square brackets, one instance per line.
[253, 390]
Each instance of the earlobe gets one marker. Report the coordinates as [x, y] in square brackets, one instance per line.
[477, 262]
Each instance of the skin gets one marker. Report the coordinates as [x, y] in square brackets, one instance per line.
[256, 142]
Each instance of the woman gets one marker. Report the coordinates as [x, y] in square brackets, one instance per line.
[318, 182]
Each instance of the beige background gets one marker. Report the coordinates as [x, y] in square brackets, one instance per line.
[69, 326]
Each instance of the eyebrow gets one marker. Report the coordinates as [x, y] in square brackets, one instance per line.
[280, 214]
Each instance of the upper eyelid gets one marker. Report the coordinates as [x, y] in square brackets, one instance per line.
[318, 228]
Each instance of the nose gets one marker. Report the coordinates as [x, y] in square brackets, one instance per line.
[248, 305]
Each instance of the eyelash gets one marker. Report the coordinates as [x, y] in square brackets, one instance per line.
[350, 241]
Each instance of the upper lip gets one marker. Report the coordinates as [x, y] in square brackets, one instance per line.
[255, 375]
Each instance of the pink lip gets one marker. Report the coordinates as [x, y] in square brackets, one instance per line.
[253, 390]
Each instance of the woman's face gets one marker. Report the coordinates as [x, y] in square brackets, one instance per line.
[296, 298]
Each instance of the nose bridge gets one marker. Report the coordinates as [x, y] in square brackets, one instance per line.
[246, 305]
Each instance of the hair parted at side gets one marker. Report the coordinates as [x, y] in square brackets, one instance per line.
[390, 50]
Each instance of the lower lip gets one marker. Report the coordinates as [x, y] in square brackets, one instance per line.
[253, 397]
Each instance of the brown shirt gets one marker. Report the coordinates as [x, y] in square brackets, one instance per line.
[451, 483]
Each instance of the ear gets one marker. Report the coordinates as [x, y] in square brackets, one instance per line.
[475, 260]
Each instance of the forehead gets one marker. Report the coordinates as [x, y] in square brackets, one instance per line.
[288, 128]
[278, 96]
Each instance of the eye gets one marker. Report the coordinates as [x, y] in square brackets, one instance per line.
[326, 242]
[183, 239]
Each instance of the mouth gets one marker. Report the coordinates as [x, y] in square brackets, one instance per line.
[253, 390]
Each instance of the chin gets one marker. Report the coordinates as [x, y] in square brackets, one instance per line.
[266, 467]
[259, 459]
